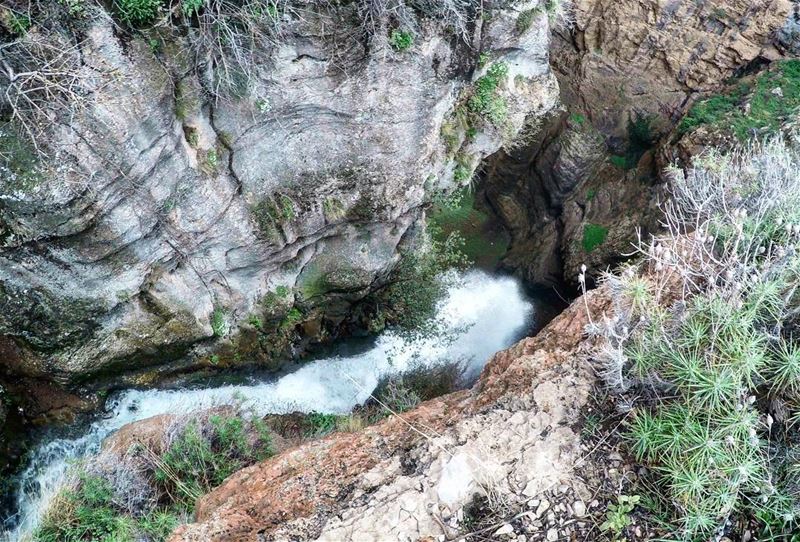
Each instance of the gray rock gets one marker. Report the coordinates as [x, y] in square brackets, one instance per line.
[165, 218]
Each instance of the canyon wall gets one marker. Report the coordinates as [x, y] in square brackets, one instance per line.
[628, 71]
[168, 229]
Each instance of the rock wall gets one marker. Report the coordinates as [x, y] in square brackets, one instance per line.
[628, 71]
[164, 221]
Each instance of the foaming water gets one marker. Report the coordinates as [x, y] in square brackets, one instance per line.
[480, 315]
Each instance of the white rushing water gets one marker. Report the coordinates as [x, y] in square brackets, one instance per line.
[480, 315]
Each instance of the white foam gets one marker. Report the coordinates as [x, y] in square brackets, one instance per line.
[479, 316]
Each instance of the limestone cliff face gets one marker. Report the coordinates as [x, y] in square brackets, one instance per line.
[166, 220]
[623, 62]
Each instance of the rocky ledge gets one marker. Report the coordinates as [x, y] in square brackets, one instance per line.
[510, 440]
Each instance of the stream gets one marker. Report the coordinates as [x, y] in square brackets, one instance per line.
[479, 315]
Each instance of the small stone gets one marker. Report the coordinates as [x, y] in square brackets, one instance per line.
[594, 504]
[552, 535]
[542, 508]
[533, 503]
[505, 529]
[777, 91]
[579, 509]
[522, 538]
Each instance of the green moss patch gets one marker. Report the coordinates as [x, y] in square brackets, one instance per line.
[594, 235]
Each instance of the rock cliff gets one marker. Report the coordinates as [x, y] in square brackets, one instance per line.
[167, 224]
[628, 71]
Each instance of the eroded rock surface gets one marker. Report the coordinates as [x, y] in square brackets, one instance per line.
[623, 62]
[168, 220]
[408, 477]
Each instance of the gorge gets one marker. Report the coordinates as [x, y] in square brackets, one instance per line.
[290, 206]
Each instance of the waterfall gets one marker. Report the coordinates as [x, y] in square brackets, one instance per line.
[479, 315]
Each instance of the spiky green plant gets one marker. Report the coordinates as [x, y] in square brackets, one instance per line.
[708, 336]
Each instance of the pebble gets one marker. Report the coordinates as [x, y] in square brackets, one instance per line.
[552, 535]
[542, 508]
[533, 504]
[579, 509]
[505, 529]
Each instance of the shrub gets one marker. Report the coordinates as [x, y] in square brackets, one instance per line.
[219, 323]
[85, 511]
[145, 493]
[486, 100]
[594, 235]
[158, 524]
[704, 332]
[401, 40]
[138, 12]
[202, 456]
[419, 281]
[191, 7]
[525, 20]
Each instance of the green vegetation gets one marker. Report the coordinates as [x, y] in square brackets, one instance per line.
[755, 107]
[190, 7]
[401, 40]
[483, 244]
[186, 100]
[463, 168]
[20, 166]
[641, 138]
[590, 194]
[287, 208]
[175, 474]
[138, 12]
[594, 235]
[86, 512]
[405, 391]
[272, 213]
[212, 160]
[292, 318]
[18, 24]
[418, 282]
[525, 20]
[708, 345]
[618, 515]
[486, 100]
[321, 424]
[219, 323]
[202, 458]
[157, 525]
[577, 118]
[334, 209]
